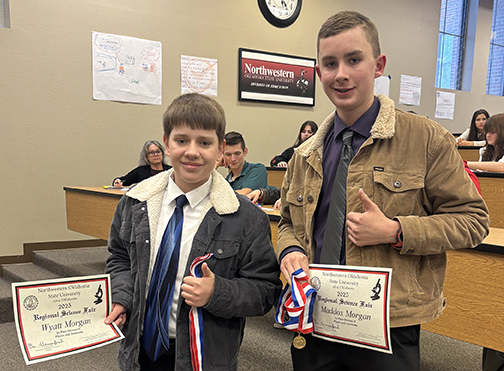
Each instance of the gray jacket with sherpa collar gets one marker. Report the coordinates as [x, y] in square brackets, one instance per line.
[246, 271]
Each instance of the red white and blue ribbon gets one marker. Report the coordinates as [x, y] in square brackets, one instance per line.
[297, 302]
[196, 320]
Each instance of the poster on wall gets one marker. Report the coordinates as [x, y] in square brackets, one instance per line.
[198, 75]
[445, 105]
[382, 85]
[277, 78]
[126, 69]
[410, 90]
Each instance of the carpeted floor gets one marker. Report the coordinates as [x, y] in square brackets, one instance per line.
[264, 348]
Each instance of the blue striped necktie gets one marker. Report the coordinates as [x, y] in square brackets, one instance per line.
[334, 228]
[155, 338]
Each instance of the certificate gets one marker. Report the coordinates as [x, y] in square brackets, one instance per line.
[60, 317]
[352, 305]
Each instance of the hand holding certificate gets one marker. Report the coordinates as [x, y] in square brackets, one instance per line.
[352, 305]
[345, 304]
[55, 318]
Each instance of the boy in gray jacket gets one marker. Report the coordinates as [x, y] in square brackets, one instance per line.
[241, 278]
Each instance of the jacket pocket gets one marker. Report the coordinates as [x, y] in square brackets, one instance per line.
[398, 193]
[225, 260]
[126, 233]
[428, 279]
[296, 198]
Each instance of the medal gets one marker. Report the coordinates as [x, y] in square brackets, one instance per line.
[196, 322]
[299, 342]
[295, 307]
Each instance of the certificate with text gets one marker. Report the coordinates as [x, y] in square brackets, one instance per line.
[352, 305]
[60, 317]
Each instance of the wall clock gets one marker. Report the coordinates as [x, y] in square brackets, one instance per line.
[280, 13]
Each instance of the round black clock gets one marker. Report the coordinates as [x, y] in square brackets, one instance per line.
[280, 13]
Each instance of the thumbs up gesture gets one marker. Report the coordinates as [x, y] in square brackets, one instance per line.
[371, 227]
[198, 291]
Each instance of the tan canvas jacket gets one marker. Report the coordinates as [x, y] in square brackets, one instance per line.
[411, 169]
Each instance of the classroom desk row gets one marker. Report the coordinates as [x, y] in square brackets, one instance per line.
[469, 153]
[492, 190]
[475, 306]
[275, 174]
[90, 211]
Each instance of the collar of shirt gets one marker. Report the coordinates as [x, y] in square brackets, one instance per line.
[194, 197]
[363, 124]
[242, 172]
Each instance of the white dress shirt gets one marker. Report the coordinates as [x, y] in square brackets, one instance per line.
[197, 198]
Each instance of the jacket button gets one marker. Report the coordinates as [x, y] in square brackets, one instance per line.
[397, 184]
[146, 241]
[219, 251]
[310, 198]
[299, 198]
[143, 208]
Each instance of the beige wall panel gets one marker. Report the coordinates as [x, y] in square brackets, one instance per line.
[53, 134]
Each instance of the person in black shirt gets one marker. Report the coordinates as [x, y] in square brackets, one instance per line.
[151, 162]
[307, 130]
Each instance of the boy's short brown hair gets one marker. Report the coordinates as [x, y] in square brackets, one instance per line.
[347, 20]
[197, 111]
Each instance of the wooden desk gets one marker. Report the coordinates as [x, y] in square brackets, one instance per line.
[469, 153]
[492, 190]
[275, 176]
[90, 209]
[274, 218]
[473, 287]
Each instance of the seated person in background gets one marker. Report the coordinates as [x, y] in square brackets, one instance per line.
[492, 154]
[266, 196]
[307, 130]
[474, 135]
[243, 176]
[151, 162]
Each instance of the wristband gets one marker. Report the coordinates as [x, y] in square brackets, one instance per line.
[399, 240]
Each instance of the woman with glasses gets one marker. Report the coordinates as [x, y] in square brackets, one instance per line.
[151, 162]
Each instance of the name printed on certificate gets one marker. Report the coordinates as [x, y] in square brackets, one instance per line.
[60, 317]
[352, 305]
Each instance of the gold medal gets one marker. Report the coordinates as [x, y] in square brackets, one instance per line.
[299, 342]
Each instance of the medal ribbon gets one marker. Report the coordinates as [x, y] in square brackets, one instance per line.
[297, 301]
[196, 321]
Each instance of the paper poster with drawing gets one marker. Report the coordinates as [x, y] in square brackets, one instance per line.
[126, 69]
[198, 75]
